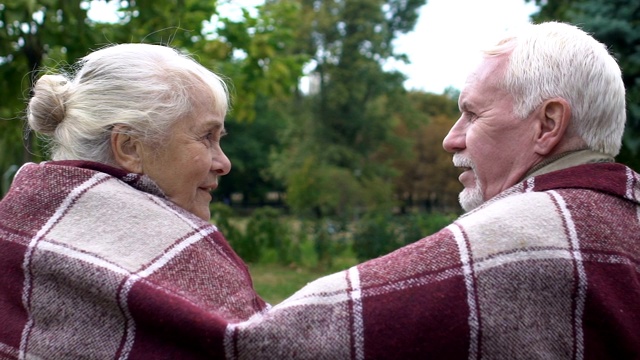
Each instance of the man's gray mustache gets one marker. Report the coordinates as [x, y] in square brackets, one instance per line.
[461, 161]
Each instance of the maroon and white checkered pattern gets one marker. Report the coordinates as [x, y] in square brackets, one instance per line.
[96, 264]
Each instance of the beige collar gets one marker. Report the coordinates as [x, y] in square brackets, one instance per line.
[567, 160]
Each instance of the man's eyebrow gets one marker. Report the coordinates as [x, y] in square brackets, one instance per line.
[466, 105]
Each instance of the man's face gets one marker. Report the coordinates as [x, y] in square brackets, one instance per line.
[491, 145]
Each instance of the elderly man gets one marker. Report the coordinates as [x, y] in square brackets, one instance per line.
[545, 262]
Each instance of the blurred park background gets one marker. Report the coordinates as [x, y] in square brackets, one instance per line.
[334, 160]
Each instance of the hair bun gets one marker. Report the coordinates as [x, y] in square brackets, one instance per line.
[47, 107]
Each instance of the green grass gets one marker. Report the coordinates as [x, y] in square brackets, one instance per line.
[275, 282]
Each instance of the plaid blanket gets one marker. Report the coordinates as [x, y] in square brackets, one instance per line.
[549, 269]
[93, 267]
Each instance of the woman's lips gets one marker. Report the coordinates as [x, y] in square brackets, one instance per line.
[208, 188]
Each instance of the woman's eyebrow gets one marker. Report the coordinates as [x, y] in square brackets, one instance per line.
[208, 125]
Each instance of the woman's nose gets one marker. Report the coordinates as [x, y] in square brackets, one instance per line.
[220, 163]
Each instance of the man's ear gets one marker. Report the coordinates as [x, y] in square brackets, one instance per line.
[553, 119]
[126, 149]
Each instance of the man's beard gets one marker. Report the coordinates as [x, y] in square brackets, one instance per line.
[469, 198]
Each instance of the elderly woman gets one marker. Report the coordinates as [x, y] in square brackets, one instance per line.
[107, 251]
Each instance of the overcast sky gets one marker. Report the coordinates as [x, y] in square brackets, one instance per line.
[444, 46]
[445, 43]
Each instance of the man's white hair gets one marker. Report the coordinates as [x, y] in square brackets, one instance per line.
[554, 59]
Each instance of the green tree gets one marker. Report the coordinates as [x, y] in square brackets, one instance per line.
[428, 178]
[179, 23]
[351, 41]
[259, 54]
[51, 33]
[348, 114]
[39, 35]
[33, 34]
[248, 146]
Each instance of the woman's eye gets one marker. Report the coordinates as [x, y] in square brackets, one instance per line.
[213, 137]
[210, 138]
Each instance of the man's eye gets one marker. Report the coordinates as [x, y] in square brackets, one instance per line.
[471, 116]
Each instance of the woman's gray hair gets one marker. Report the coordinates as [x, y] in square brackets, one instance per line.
[560, 60]
[146, 88]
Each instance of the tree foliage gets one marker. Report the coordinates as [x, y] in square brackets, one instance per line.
[260, 55]
[348, 115]
[427, 178]
[249, 145]
[52, 33]
[351, 40]
[32, 34]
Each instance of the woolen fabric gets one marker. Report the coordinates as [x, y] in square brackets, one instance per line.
[98, 265]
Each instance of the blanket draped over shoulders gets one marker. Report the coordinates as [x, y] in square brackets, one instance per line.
[97, 264]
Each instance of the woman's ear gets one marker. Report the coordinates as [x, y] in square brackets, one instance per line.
[126, 149]
[553, 119]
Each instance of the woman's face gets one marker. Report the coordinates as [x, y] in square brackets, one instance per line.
[189, 163]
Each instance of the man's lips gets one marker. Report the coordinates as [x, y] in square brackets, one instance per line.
[466, 166]
[465, 173]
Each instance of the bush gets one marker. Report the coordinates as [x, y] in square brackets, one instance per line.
[266, 229]
[270, 237]
[379, 233]
[375, 235]
[247, 248]
[433, 222]
[330, 240]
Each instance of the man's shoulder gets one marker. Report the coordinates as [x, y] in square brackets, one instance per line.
[542, 196]
[611, 178]
[551, 213]
[520, 213]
